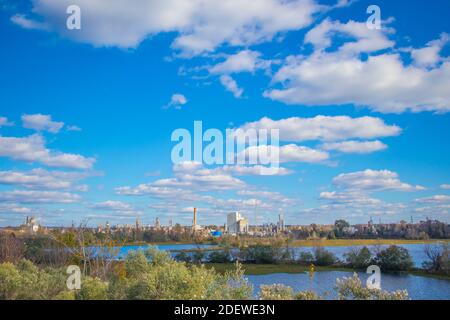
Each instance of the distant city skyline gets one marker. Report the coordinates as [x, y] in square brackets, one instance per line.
[87, 115]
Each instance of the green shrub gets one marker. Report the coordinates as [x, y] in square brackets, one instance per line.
[323, 257]
[359, 258]
[394, 258]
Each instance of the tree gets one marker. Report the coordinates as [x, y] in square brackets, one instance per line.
[394, 258]
[219, 256]
[339, 227]
[306, 257]
[358, 258]
[11, 248]
[438, 259]
[323, 257]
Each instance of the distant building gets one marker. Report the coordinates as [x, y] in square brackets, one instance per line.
[280, 225]
[236, 223]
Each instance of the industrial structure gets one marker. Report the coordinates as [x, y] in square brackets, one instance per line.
[236, 224]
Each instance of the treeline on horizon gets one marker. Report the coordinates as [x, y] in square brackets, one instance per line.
[425, 230]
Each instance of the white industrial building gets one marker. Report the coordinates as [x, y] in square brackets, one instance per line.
[236, 223]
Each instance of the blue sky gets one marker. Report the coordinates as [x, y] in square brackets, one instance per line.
[86, 118]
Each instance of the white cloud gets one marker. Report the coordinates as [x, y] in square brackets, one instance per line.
[287, 153]
[434, 199]
[326, 128]
[32, 149]
[43, 179]
[34, 196]
[73, 128]
[5, 123]
[445, 186]
[255, 170]
[188, 176]
[355, 146]
[230, 85]
[41, 122]
[14, 208]
[27, 23]
[373, 180]
[177, 101]
[117, 206]
[353, 198]
[367, 40]
[243, 61]
[429, 56]
[201, 25]
[382, 82]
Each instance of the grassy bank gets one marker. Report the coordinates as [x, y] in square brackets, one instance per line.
[264, 269]
[260, 269]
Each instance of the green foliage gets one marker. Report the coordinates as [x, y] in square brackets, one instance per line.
[276, 292]
[219, 256]
[394, 258]
[176, 280]
[306, 257]
[339, 227]
[352, 289]
[183, 257]
[25, 281]
[307, 295]
[359, 258]
[322, 257]
[265, 254]
[198, 256]
[93, 289]
[153, 275]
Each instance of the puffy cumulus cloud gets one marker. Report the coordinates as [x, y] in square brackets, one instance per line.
[33, 149]
[200, 25]
[243, 61]
[41, 122]
[116, 206]
[429, 56]
[188, 175]
[368, 40]
[445, 186]
[34, 196]
[373, 180]
[176, 101]
[231, 85]
[5, 123]
[365, 71]
[43, 179]
[354, 198]
[287, 153]
[434, 199]
[355, 146]
[326, 128]
[195, 185]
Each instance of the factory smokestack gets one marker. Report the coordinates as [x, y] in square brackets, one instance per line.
[194, 222]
